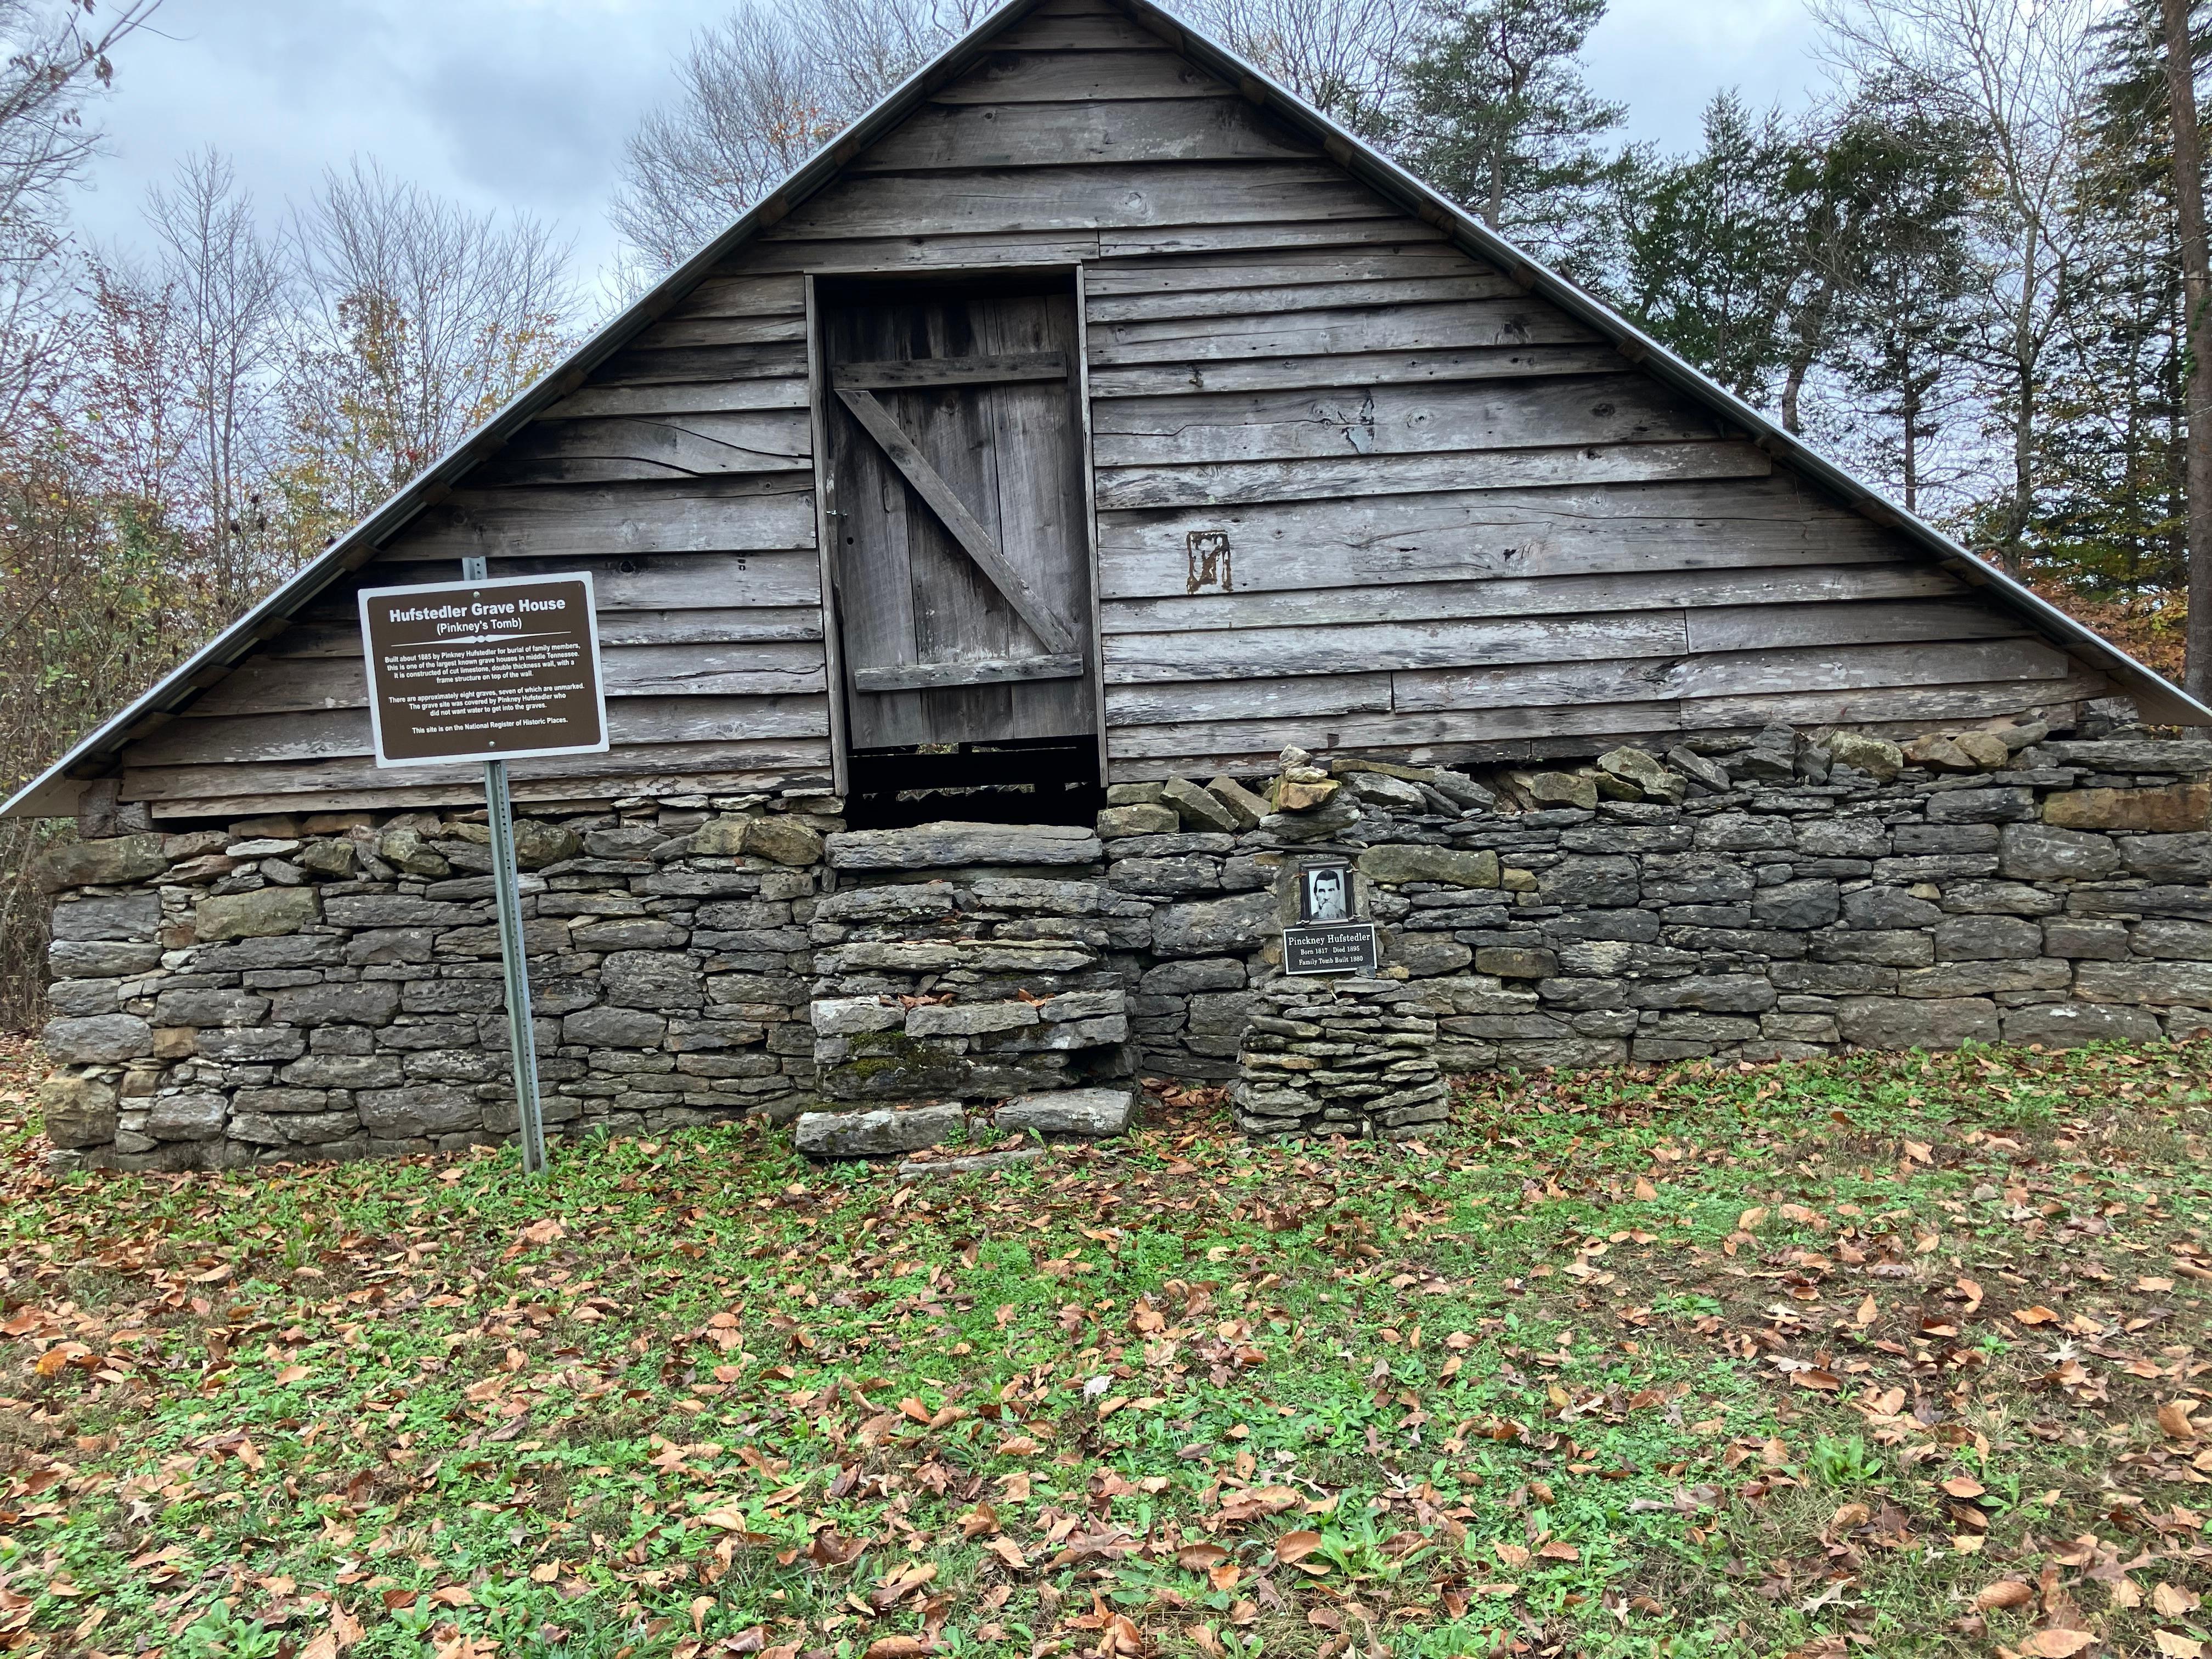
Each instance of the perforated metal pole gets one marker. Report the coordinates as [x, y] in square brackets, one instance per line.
[521, 1033]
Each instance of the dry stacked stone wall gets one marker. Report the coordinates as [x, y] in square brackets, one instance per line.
[330, 986]
[276, 988]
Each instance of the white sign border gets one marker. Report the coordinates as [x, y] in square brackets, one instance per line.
[429, 592]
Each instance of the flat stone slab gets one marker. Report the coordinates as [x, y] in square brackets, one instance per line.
[1091, 1112]
[874, 1133]
[953, 845]
[946, 1166]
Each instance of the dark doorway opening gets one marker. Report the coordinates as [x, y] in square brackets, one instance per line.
[1046, 780]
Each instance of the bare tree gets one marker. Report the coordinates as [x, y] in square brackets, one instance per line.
[760, 92]
[420, 319]
[228, 293]
[2022, 68]
[1346, 58]
[54, 54]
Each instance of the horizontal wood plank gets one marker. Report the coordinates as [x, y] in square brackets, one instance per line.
[911, 373]
[1111, 284]
[1727, 674]
[672, 446]
[1235, 481]
[663, 398]
[1081, 77]
[1268, 375]
[1207, 236]
[710, 623]
[942, 136]
[1481, 535]
[674, 333]
[1775, 627]
[1647, 589]
[1914, 704]
[193, 741]
[1272, 653]
[1199, 702]
[1393, 421]
[762, 514]
[659, 581]
[273, 684]
[978, 671]
[782, 294]
[994, 201]
[1370, 733]
[1265, 332]
[1470, 284]
[687, 365]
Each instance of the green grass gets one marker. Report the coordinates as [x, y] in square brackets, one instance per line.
[1627, 1363]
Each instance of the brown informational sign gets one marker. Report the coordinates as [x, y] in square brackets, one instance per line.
[483, 670]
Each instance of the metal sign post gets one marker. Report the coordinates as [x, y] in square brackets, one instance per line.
[490, 671]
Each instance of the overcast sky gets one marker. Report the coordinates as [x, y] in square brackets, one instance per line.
[524, 103]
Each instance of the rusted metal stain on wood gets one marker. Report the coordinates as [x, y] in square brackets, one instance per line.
[1209, 562]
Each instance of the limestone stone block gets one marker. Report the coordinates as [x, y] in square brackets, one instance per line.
[1095, 1112]
[1379, 789]
[2174, 755]
[1724, 994]
[1700, 877]
[1987, 938]
[196, 1114]
[2172, 808]
[952, 845]
[1197, 808]
[1133, 794]
[1698, 769]
[659, 980]
[1796, 904]
[1881, 761]
[264, 913]
[1643, 769]
[851, 1016]
[968, 1018]
[782, 839]
[874, 1133]
[251, 1045]
[85, 996]
[537, 845]
[1599, 881]
[1245, 807]
[614, 1028]
[78, 1111]
[370, 1002]
[2081, 938]
[111, 863]
[2070, 1025]
[108, 917]
[215, 1007]
[2041, 852]
[1425, 954]
[97, 1039]
[1082, 1004]
[1398, 865]
[419, 1109]
[1207, 927]
[100, 958]
[1516, 962]
[1562, 789]
[2011, 806]
[2188, 941]
[1915, 1022]
[2184, 857]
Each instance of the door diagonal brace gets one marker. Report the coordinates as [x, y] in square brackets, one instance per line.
[975, 541]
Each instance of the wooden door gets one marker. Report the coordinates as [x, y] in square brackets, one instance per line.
[955, 503]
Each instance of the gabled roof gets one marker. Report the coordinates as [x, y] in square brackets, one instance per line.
[54, 792]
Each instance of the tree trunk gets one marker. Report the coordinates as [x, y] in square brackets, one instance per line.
[2196, 291]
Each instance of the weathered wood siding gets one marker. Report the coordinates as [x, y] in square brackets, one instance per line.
[1352, 485]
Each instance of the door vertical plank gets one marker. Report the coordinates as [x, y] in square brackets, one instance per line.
[968, 531]
[1080, 390]
[824, 500]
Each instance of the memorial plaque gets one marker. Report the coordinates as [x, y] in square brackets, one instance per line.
[1330, 947]
[1325, 893]
[482, 671]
